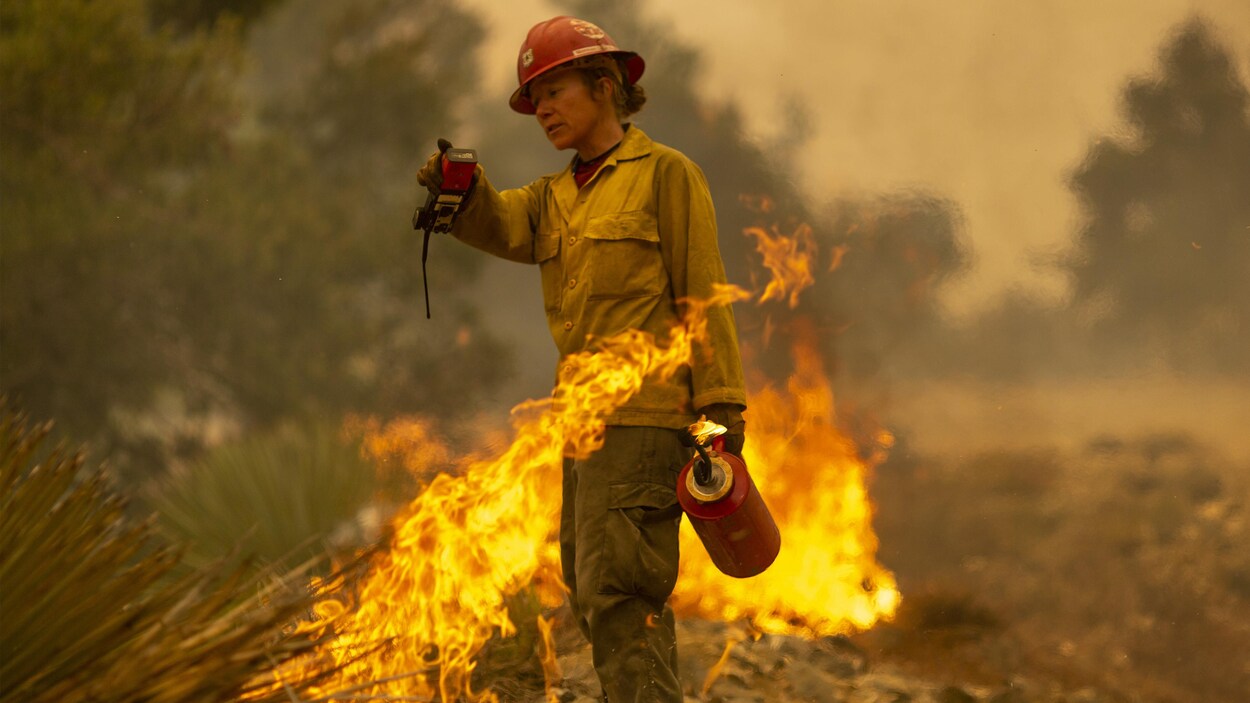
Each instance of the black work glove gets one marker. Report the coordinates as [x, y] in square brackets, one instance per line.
[728, 415]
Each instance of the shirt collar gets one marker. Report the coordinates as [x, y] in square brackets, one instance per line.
[634, 145]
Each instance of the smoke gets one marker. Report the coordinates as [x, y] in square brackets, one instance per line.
[900, 248]
[941, 146]
[988, 104]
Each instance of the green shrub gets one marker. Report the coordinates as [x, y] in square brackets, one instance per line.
[279, 499]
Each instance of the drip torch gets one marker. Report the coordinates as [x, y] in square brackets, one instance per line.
[439, 212]
[725, 508]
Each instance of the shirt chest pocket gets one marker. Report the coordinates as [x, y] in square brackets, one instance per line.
[624, 260]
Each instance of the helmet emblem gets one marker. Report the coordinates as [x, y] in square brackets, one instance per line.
[527, 59]
[587, 29]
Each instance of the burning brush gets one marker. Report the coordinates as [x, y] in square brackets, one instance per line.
[469, 542]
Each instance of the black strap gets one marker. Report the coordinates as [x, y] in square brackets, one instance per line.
[425, 278]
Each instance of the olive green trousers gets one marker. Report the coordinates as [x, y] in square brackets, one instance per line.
[618, 548]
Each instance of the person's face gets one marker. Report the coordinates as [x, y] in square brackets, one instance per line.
[566, 109]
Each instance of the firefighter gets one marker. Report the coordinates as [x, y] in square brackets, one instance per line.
[621, 236]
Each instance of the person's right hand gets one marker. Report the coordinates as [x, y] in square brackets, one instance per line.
[729, 416]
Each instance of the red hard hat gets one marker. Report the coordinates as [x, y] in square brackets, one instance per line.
[558, 41]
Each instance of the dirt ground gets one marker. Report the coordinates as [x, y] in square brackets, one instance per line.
[1096, 533]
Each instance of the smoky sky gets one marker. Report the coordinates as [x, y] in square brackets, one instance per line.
[992, 105]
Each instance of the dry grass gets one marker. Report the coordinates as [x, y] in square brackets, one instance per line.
[93, 611]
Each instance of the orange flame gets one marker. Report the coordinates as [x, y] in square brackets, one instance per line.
[408, 443]
[839, 253]
[550, 664]
[465, 544]
[789, 258]
[714, 672]
[826, 580]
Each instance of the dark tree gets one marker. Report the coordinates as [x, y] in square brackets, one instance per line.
[1161, 260]
[101, 116]
[184, 241]
[192, 15]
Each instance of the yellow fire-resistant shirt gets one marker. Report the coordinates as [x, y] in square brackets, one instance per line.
[618, 254]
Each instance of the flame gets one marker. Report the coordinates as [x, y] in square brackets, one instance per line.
[826, 580]
[838, 253]
[548, 659]
[430, 602]
[714, 672]
[473, 539]
[466, 543]
[737, 634]
[704, 430]
[789, 258]
[409, 443]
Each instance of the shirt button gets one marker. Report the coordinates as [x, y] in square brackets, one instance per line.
[568, 325]
[572, 282]
[572, 241]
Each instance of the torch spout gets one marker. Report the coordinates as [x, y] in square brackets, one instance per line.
[699, 435]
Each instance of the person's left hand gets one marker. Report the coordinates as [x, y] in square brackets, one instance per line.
[728, 415]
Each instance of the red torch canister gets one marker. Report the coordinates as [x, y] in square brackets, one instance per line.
[728, 513]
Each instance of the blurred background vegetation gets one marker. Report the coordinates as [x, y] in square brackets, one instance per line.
[205, 225]
[206, 261]
[277, 500]
[186, 259]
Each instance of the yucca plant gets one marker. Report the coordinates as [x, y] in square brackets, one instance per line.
[92, 612]
[279, 499]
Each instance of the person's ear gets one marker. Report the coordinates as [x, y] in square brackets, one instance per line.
[605, 87]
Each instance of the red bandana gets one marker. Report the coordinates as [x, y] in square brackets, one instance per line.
[583, 170]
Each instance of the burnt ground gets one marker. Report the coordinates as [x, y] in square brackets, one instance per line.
[1119, 571]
